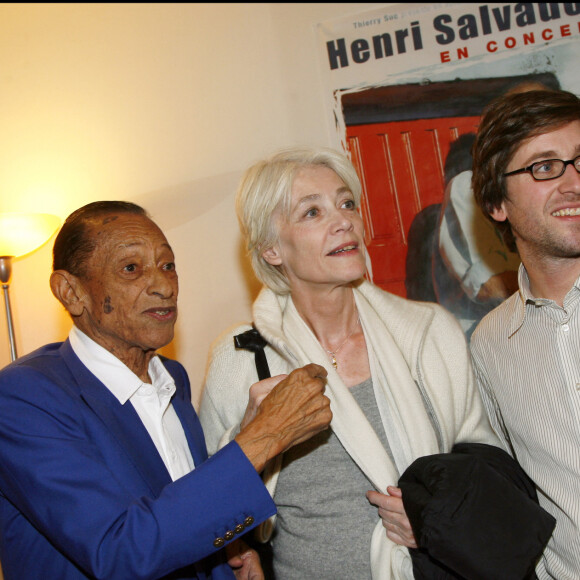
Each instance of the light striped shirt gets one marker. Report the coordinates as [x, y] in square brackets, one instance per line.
[526, 355]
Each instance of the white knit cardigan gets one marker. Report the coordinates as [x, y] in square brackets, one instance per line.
[422, 379]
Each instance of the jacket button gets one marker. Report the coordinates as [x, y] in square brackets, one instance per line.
[219, 542]
[248, 521]
[228, 535]
[239, 528]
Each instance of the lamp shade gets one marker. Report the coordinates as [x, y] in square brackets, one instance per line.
[22, 233]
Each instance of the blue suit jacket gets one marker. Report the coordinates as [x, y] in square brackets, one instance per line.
[85, 494]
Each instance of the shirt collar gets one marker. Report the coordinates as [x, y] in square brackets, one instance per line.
[526, 298]
[115, 375]
[519, 304]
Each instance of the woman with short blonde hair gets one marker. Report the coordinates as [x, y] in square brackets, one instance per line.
[267, 186]
[399, 375]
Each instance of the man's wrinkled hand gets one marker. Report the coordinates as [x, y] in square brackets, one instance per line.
[294, 410]
[258, 392]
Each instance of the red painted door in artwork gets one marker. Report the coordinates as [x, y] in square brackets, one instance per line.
[401, 166]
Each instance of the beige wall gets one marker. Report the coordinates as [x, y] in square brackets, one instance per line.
[164, 105]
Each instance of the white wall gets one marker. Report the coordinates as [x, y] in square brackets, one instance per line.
[164, 105]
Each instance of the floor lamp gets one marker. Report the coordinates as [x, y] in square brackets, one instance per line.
[20, 234]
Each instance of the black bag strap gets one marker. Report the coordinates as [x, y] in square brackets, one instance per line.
[253, 341]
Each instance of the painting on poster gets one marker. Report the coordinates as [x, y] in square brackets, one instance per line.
[404, 87]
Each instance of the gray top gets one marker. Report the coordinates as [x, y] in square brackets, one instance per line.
[325, 522]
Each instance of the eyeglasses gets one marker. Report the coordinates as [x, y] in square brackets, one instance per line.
[547, 169]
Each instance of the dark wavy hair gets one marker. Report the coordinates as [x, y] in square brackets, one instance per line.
[73, 245]
[507, 122]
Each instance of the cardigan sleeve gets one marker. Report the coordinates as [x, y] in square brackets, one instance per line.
[448, 375]
[230, 374]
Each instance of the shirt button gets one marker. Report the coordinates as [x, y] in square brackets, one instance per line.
[565, 327]
[578, 386]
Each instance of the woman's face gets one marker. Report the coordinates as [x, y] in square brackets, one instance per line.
[321, 243]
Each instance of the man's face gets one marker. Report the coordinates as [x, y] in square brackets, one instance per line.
[544, 215]
[130, 291]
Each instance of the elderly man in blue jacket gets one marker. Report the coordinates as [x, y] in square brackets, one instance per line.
[103, 466]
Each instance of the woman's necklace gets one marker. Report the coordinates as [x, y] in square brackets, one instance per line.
[334, 352]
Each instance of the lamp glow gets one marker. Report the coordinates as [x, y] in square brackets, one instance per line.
[20, 234]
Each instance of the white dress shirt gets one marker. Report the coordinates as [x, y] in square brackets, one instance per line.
[152, 401]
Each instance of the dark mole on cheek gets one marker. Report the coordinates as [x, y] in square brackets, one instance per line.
[109, 219]
[107, 306]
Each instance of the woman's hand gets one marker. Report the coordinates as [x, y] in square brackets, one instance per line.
[392, 512]
[258, 392]
[244, 561]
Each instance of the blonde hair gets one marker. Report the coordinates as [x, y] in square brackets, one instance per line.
[266, 187]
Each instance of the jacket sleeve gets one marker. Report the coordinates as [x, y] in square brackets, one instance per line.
[58, 474]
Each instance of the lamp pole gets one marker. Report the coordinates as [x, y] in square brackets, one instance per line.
[20, 234]
[5, 273]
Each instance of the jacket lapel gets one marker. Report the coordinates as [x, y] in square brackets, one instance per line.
[122, 422]
[190, 423]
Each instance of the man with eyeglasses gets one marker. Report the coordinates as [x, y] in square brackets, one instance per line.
[526, 352]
